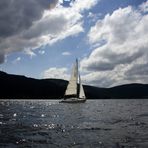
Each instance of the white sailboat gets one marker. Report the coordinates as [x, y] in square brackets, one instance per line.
[74, 92]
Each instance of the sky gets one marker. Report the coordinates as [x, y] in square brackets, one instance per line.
[42, 39]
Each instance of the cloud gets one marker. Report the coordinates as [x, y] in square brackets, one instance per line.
[98, 79]
[93, 17]
[19, 15]
[66, 53]
[105, 59]
[79, 5]
[27, 25]
[122, 40]
[139, 69]
[16, 60]
[16, 18]
[29, 52]
[57, 73]
[2, 58]
[41, 52]
[144, 7]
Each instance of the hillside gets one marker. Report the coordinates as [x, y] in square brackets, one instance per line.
[21, 87]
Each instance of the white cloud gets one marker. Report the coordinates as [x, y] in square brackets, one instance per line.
[66, 53]
[57, 73]
[144, 7]
[29, 52]
[79, 5]
[93, 17]
[115, 28]
[55, 24]
[124, 35]
[16, 60]
[41, 52]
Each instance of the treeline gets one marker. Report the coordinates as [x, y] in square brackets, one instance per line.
[21, 87]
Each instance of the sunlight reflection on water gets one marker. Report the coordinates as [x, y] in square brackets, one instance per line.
[96, 123]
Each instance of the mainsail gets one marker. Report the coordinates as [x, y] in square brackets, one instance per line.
[72, 86]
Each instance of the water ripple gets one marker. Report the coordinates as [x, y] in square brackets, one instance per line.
[96, 123]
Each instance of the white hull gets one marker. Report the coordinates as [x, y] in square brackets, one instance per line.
[73, 100]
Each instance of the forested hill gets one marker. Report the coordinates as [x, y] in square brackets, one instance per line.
[21, 87]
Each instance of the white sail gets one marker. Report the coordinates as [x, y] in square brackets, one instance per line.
[81, 94]
[72, 86]
[72, 93]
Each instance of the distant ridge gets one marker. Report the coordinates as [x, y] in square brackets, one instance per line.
[21, 87]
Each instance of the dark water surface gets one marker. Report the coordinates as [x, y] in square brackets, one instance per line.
[94, 124]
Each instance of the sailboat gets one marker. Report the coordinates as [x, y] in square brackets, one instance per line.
[74, 92]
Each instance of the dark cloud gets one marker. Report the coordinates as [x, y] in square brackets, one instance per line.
[137, 73]
[2, 58]
[138, 70]
[42, 28]
[102, 66]
[102, 82]
[121, 58]
[109, 60]
[18, 15]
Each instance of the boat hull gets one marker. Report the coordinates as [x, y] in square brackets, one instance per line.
[73, 100]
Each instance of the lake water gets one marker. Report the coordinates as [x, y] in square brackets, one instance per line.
[94, 124]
